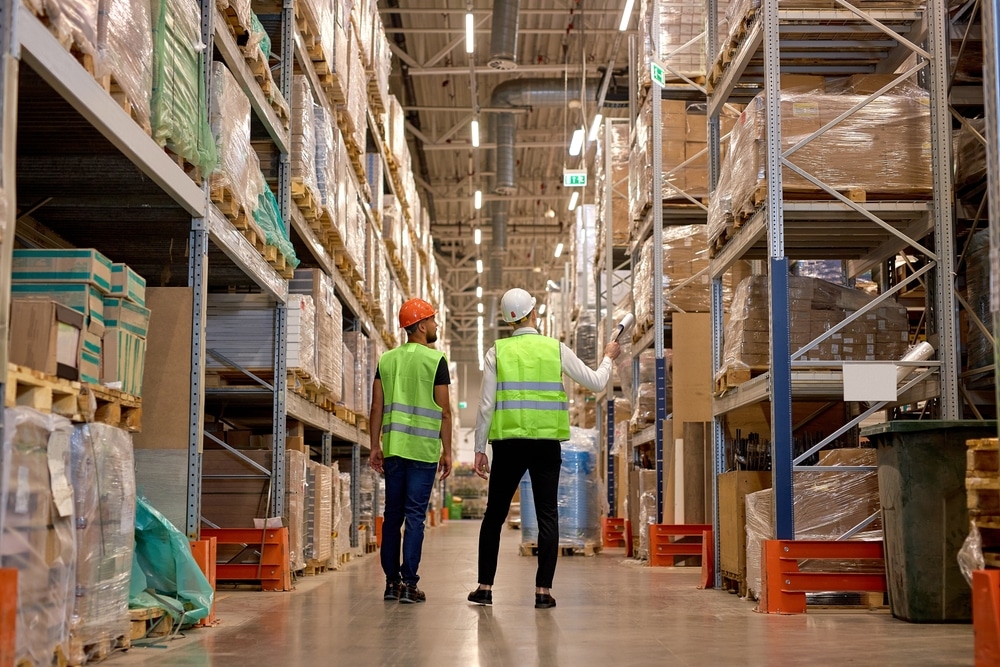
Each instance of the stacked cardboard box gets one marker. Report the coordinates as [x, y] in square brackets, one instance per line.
[238, 170]
[38, 533]
[884, 148]
[619, 205]
[816, 306]
[302, 158]
[125, 48]
[296, 464]
[357, 377]
[346, 515]
[319, 512]
[827, 505]
[111, 298]
[681, 45]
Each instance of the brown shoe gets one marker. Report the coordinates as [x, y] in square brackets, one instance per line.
[410, 594]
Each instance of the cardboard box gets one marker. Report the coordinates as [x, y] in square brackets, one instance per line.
[802, 82]
[81, 297]
[296, 443]
[733, 489]
[45, 336]
[124, 314]
[123, 360]
[91, 348]
[128, 284]
[239, 438]
[63, 266]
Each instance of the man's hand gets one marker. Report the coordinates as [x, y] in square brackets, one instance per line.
[612, 350]
[375, 459]
[444, 465]
[482, 465]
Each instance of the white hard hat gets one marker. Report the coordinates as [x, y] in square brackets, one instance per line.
[516, 304]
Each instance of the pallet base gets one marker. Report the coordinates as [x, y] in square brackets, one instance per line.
[149, 622]
[586, 549]
[84, 654]
[45, 393]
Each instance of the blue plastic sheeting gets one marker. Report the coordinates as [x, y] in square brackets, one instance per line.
[164, 573]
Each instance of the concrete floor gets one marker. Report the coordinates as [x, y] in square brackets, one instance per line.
[611, 611]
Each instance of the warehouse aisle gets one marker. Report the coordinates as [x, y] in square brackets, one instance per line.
[608, 613]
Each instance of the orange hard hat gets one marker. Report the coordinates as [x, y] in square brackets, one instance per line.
[414, 311]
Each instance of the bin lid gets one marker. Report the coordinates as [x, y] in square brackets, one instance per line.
[915, 425]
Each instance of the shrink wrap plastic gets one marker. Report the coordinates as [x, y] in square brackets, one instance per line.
[105, 495]
[295, 464]
[303, 153]
[38, 539]
[815, 307]
[259, 38]
[827, 505]
[970, 154]
[359, 376]
[644, 411]
[883, 148]
[685, 256]
[977, 282]
[240, 7]
[681, 22]
[319, 513]
[73, 22]
[346, 514]
[268, 216]
[357, 98]
[238, 166]
[302, 335]
[325, 125]
[125, 50]
[178, 94]
[619, 210]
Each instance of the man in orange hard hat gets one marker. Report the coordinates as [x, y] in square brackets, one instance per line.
[410, 400]
[524, 413]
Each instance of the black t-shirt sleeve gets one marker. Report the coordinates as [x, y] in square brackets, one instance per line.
[377, 376]
[442, 376]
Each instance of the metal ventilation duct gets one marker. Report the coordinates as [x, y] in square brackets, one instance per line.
[504, 180]
[503, 38]
[500, 211]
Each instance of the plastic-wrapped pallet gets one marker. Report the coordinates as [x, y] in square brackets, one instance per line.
[349, 387]
[267, 215]
[178, 94]
[39, 540]
[303, 135]
[346, 514]
[816, 306]
[295, 497]
[644, 410]
[579, 490]
[393, 227]
[73, 22]
[357, 98]
[647, 509]
[357, 343]
[336, 515]
[319, 508]
[240, 327]
[890, 137]
[363, 14]
[681, 22]
[381, 64]
[395, 122]
[354, 237]
[104, 493]
[125, 51]
[241, 8]
[827, 505]
[977, 285]
[326, 157]
[970, 154]
[238, 164]
[376, 180]
[302, 336]
[620, 154]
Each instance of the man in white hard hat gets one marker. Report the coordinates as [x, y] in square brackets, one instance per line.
[524, 413]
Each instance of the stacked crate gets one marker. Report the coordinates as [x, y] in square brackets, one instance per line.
[982, 483]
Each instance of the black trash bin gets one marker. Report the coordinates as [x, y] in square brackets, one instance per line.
[921, 481]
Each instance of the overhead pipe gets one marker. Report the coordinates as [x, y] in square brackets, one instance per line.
[503, 36]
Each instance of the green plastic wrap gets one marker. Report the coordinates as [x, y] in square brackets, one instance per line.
[259, 35]
[268, 217]
[164, 573]
[179, 101]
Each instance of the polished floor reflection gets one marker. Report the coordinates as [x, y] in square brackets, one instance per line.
[610, 612]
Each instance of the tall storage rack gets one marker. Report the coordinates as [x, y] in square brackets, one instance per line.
[878, 40]
[60, 123]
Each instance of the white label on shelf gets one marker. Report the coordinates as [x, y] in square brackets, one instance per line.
[869, 382]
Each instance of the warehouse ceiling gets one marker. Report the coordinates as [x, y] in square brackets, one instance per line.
[442, 89]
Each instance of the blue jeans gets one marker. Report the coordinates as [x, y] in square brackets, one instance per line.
[408, 487]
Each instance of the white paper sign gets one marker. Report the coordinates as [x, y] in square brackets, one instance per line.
[869, 382]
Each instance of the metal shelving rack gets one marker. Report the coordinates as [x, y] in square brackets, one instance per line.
[211, 238]
[782, 230]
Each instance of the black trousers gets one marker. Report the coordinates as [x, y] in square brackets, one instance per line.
[511, 458]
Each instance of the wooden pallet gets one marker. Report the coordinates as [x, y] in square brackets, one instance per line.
[225, 200]
[46, 393]
[586, 549]
[308, 202]
[314, 567]
[734, 583]
[362, 424]
[375, 100]
[193, 171]
[111, 406]
[346, 415]
[734, 377]
[84, 654]
[149, 622]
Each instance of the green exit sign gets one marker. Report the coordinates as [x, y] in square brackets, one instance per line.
[462, 405]
[657, 73]
[574, 178]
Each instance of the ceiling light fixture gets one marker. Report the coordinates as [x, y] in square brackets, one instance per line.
[552, 286]
[479, 266]
[477, 199]
[541, 309]
[559, 247]
[479, 291]
[626, 15]
[574, 198]
[477, 236]
[479, 306]
[576, 145]
[470, 31]
[551, 213]
[595, 127]
[475, 133]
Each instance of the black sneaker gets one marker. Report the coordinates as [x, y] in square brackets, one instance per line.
[544, 601]
[392, 590]
[481, 596]
[410, 594]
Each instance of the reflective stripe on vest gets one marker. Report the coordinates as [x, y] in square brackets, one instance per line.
[531, 401]
[411, 419]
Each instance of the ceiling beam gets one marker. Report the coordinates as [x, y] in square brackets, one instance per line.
[592, 70]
